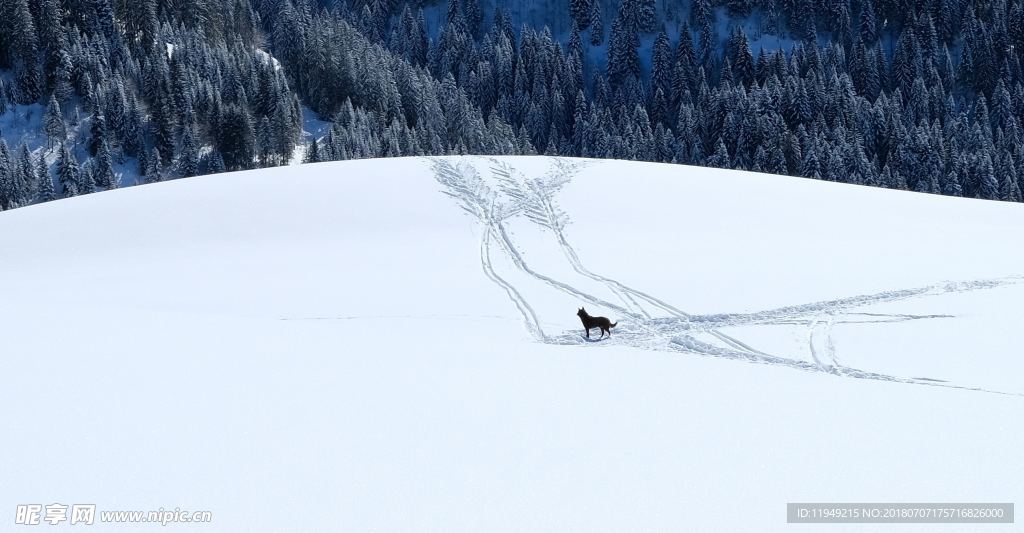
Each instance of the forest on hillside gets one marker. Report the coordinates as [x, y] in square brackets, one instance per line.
[923, 95]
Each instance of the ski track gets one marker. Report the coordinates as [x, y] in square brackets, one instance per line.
[478, 200]
[529, 316]
[680, 331]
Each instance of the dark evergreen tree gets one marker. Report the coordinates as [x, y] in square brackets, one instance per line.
[97, 132]
[596, 19]
[21, 48]
[236, 141]
[188, 160]
[53, 123]
[25, 177]
[155, 172]
[989, 184]
[623, 60]
[102, 168]
[868, 23]
[662, 66]
[44, 183]
[720, 159]
[8, 191]
[68, 172]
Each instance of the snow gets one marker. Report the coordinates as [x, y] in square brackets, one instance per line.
[23, 124]
[313, 127]
[266, 57]
[392, 345]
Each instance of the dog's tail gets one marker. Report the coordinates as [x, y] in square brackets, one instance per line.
[613, 325]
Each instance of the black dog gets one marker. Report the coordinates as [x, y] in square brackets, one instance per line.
[591, 322]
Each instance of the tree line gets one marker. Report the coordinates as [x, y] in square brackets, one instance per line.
[918, 95]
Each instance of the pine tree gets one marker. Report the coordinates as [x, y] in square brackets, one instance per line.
[1009, 188]
[777, 162]
[68, 172]
[662, 66]
[44, 183]
[803, 21]
[760, 160]
[53, 123]
[708, 45]
[97, 132]
[54, 43]
[163, 125]
[102, 168]
[188, 160]
[313, 154]
[596, 19]
[215, 163]
[623, 60]
[771, 17]
[720, 159]
[237, 141]
[742, 60]
[86, 177]
[811, 166]
[24, 50]
[989, 184]
[25, 177]
[683, 70]
[474, 17]
[264, 142]
[155, 173]
[7, 172]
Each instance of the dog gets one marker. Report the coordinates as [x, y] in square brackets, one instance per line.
[591, 322]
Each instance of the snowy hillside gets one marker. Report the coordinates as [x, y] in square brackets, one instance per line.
[392, 345]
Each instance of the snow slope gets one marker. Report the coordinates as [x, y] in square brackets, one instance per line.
[391, 345]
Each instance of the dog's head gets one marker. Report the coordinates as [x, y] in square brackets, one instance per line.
[581, 313]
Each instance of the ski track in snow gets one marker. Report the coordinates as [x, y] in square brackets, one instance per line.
[516, 195]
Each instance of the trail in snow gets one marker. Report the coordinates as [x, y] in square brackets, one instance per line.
[680, 331]
[775, 316]
[823, 351]
[535, 199]
[529, 316]
[477, 199]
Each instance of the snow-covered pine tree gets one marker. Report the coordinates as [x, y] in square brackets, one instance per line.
[25, 176]
[719, 159]
[596, 19]
[67, 172]
[53, 123]
[102, 168]
[155, 172]
[44, 183]
[188, 159]
[7, 172]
